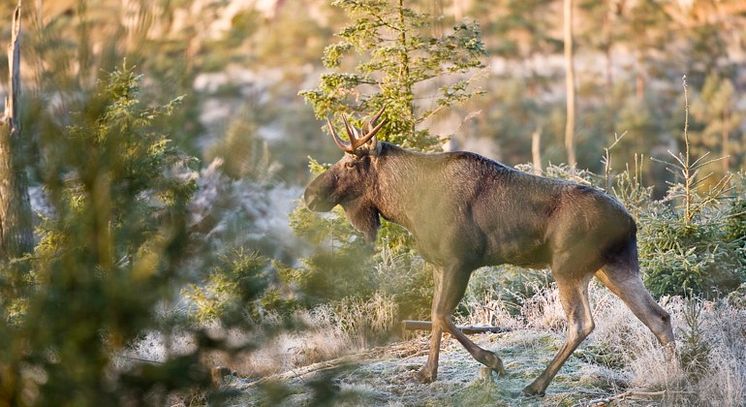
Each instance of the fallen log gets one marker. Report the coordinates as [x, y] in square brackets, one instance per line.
[412, 325]
[299, 373]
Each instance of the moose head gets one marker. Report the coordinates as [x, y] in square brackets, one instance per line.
[351, 180]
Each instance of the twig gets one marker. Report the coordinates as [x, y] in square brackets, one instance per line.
[139, 359]
[410, 325]
[633, 394]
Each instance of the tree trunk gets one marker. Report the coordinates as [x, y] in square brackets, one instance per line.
[569, 85]
[639, 77]
[536, 150]
[406, 77]
[725, 141]
[16, 236]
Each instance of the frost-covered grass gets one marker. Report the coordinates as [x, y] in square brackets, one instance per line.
[620, 356]
[326, 332]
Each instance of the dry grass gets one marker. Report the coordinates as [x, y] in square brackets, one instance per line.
[620, 362]
[621, 342]
[328, 332]
[620, 358]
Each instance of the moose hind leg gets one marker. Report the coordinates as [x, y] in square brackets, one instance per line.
[574, 298]
[625, 282]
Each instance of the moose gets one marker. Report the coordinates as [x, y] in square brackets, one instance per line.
[466, 211]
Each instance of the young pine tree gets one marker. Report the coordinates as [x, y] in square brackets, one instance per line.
[387, 57]
[399, 64]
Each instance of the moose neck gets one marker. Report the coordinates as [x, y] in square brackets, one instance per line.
[400, 173]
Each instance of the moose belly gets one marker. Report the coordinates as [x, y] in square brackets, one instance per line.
[523, 251]
[473, 247]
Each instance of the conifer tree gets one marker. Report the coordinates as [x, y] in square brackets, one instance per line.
[397, 62]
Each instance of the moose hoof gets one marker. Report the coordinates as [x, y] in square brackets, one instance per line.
[670, 354]
[494, 362]
[532, 391]
[426, 376]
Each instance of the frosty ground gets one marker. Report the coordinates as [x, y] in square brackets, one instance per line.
[386, 375]
[620, 363]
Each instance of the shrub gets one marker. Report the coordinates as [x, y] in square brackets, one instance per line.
[695, 351]
[407, 279]
[700, 258]
[232, 289]
[686, 246]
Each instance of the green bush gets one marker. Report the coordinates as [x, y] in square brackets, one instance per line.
[113, 256]
[735, 225]
[231, 291]
[407, 279]
[696, 259]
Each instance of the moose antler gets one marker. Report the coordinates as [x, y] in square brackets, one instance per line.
[356, 140]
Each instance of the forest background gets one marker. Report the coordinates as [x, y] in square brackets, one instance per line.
[165, 145]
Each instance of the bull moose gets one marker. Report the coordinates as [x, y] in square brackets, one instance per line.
[466, 211]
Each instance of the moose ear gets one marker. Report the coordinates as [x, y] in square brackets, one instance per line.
[374, 147]
[371, 148]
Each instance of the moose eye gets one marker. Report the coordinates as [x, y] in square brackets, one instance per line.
[349, 164]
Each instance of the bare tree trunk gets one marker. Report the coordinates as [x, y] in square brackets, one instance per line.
[569, 85]
[725, 141]
[536, 150]
[609, 20]
[16, 236]
[407, 78]
[639, 77]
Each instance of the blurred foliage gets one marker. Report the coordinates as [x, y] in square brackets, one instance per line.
[105, 261]
[230, 292]
[116, 257]
[629, 54]
[341, 263]
[717, 122]
[735, 225]
[243, 154]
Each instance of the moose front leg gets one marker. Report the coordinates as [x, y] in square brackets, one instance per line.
[429, 372]
[450, 285]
